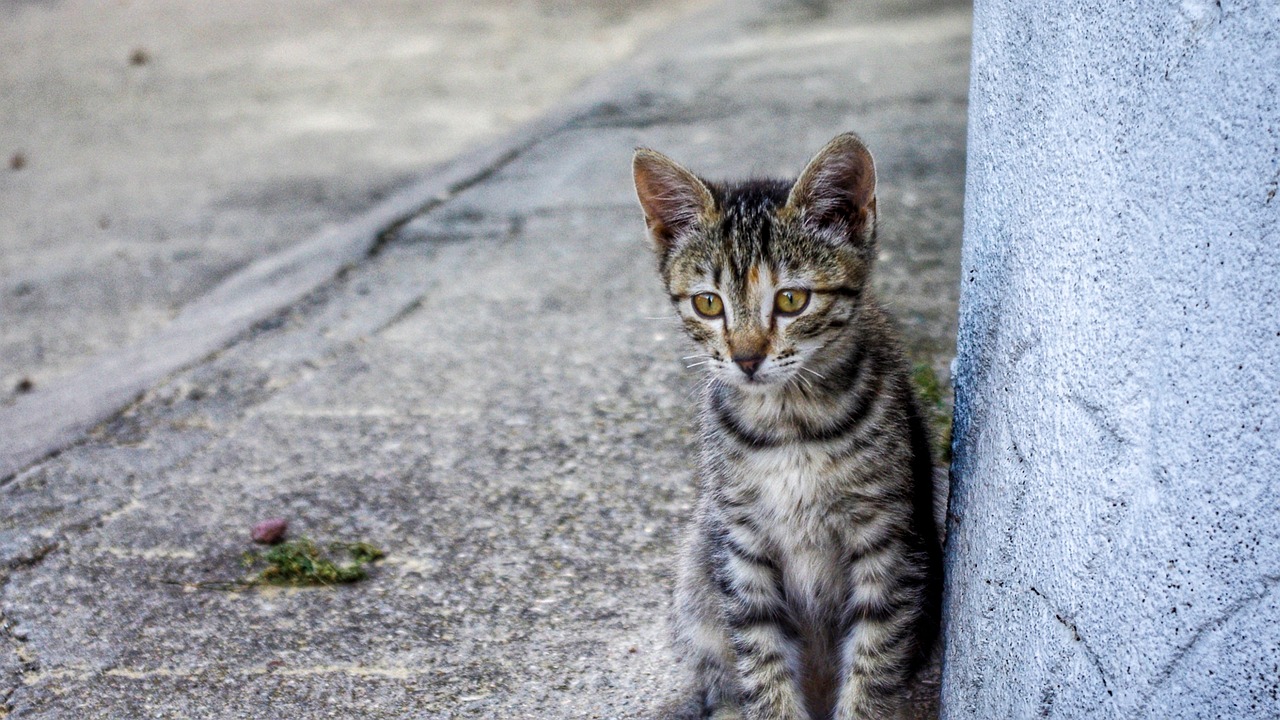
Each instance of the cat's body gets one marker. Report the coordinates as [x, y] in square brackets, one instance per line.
[810, 579]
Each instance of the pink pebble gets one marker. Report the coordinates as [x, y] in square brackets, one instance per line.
[270, 532]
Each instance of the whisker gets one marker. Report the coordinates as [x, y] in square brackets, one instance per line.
[815, 373]
[690, 357]
[697, 388]
[807, 382]
[796, 380]
[704, 362]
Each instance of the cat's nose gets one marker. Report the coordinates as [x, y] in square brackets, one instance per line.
[749, 363]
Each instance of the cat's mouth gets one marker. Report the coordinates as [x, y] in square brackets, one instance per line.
[766, 374]
[760, 381]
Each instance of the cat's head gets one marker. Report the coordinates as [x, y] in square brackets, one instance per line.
[767, 276]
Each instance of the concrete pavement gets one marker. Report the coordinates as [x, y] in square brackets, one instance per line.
[494, 395]
[213, 103]
[151, 149]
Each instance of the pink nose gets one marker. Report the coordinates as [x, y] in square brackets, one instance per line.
[749, 363]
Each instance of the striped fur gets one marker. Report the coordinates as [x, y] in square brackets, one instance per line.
[810, 579]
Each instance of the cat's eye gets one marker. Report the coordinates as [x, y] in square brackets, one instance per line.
[708, 305]
[790, 302]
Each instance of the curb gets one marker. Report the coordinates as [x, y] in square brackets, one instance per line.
[44, 423]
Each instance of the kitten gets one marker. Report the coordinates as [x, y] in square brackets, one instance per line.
[810, 581]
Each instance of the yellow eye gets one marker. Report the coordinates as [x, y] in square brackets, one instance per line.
[708, 305]
[790, 302]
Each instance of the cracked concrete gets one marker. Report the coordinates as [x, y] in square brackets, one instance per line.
[1067, 622]
[495, 396]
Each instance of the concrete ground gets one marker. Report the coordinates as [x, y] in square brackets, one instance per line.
[148, 150]
[494, 394]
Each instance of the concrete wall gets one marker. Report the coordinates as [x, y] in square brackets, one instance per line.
[1115, 529]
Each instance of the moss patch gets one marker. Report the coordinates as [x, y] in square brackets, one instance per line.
[935, 401]
[302, 562]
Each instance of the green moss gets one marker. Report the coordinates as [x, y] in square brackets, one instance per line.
[301, 562]
[935, 401]
[363, 552]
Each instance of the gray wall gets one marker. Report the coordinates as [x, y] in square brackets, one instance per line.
[1115, 529]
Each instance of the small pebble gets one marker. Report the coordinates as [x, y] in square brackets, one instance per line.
[270, 532]
[25, 385]
[17, 161]
[139, 57]
[19, 632]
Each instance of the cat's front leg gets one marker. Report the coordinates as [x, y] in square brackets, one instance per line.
[701, 637]
[878, 634]
[760, 628]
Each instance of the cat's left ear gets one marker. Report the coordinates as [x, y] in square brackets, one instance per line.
[837, 192]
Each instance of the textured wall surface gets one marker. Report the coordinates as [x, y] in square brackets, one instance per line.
[1115, 529]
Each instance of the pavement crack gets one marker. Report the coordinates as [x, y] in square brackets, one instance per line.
[408, 309]
[644, 112]
[26, 662]
[389, 234]
[32, 558]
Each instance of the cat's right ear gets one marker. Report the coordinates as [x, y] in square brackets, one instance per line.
[674, 200]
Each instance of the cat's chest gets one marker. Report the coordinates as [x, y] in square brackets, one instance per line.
[786, 480]
[791, 488]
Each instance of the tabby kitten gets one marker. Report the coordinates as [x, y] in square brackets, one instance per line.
[810, 581]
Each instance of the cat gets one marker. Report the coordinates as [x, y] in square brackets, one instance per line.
[809, 583]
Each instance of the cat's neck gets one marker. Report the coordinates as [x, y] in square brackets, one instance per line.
[803, 409]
